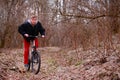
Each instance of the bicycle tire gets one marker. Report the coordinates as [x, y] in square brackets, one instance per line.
[35, 65]
[29, 64]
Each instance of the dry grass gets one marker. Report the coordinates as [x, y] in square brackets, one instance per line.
[63, 64]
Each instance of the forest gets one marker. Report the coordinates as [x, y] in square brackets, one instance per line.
[73, 25]
[79, 23]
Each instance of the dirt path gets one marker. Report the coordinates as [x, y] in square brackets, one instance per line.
[13, 62]
[62, 64]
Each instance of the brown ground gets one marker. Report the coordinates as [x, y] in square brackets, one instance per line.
[63, 64]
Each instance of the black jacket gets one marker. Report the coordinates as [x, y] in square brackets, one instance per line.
[27, 28]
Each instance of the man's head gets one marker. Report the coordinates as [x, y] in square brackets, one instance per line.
[33, 19]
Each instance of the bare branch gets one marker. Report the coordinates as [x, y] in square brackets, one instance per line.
[88, 17]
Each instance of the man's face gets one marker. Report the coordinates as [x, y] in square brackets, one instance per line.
[33, 20]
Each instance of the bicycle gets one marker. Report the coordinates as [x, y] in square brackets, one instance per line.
[34, 58]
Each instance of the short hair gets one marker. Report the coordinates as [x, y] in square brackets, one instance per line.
[33, 15]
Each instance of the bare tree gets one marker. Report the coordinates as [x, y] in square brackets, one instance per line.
[79, 23]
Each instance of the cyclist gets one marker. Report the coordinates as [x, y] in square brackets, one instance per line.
[30, 27]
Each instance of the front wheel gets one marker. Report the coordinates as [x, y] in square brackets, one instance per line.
[35, 62]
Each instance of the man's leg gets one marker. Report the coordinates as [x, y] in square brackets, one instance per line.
[26, 51]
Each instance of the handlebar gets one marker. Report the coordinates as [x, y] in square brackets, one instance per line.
[34, 36]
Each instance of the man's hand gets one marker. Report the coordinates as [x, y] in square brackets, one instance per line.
[26, 35]
[43, 36]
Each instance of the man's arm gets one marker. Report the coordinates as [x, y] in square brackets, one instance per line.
[41, 29]
[21, 30]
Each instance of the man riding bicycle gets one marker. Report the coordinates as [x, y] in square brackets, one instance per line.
[30, 27]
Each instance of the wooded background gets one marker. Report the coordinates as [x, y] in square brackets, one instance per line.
[68, 23]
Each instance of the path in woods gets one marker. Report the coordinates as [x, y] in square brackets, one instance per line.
[62, 64]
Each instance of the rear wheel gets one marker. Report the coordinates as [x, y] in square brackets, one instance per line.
[28, 64]
[35, 62]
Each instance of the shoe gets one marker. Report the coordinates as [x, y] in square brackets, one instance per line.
[26, 67]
